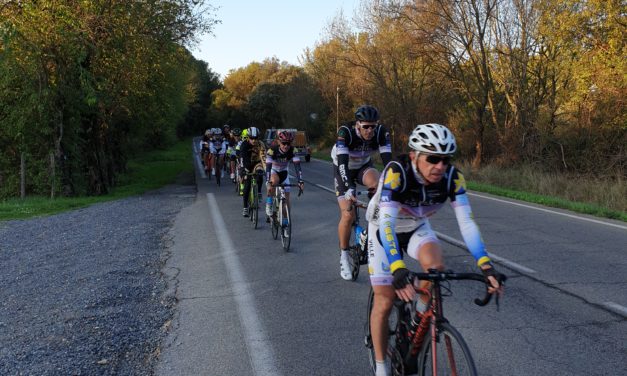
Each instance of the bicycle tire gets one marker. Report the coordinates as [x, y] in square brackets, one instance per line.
[255, 206]
[449, 342]
[353, 251]
[218, 169]
[286, 231]
[274, 219]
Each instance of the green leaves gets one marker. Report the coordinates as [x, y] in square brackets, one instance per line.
[91, 80]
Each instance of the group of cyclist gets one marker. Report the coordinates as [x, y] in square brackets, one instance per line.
[248, 155]
[410, 189]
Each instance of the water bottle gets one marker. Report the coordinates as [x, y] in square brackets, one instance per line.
[363, 238]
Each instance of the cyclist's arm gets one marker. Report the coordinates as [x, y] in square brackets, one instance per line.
[385, 146]
[388, 211]
[246, 157]
[341, 150]
[467, 225]
[269, 161]
[297, 168]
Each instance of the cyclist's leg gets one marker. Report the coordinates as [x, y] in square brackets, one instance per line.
[425, 247]
[274, 180]
[381, 281]
[346, 217]
[368, 177]
[246, 194]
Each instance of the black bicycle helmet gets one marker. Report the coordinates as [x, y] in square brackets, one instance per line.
[236, 132]
[367, 113]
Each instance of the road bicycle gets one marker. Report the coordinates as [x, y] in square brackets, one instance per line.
[426, 344]
[281, 220]
[218, 161]
[358, 249]
[253, 199]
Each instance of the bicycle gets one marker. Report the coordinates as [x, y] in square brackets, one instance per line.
[253, 199]
[281, 211]
[426, 343]
[217, 166]
[357, 245]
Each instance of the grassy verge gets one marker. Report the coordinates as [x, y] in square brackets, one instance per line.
[148, 171]
[606, 199]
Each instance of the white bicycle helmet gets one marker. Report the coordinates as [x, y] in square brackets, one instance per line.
[217, 132]
[432, 139]
[208, 132]
[253, 132]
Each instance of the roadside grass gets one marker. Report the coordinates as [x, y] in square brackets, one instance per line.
[148, 171]
[603, 198]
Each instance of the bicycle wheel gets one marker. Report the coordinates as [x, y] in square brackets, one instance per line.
[254, 215]
[452, 354]
[286, 230]
[354, 253]
[218, 169]
[275, 218]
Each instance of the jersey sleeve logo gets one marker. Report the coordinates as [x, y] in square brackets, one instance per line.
[392, 179]
[460, 184]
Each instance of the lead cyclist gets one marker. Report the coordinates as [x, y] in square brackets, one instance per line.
[409, 191]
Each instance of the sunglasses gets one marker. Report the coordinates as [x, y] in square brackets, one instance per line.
[368, 126]
[435, 159]
[286, 143]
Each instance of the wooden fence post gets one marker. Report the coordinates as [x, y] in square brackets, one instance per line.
[23, 175]
[52, 175]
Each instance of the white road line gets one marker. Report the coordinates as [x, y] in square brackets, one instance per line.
[199, 165]
[511, 264]
[621, 310]
[550, 211]
[325, 188]
[259, 346]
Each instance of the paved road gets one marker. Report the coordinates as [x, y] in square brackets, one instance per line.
[246, 307]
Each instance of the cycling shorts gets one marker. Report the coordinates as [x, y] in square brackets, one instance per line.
[354, 176]
[378, 265]
[284, 178]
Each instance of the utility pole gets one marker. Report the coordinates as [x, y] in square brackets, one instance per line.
[337, 108]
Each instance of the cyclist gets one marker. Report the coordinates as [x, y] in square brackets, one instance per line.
[409, 191]
[277, 160]
[231, 151]
[217, 148]
[253, 154]
[239, 163]
[352, 164]
[205, 155]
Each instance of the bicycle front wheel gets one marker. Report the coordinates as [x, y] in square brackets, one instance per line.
[254, 208]
[450, 356]
[286, 233]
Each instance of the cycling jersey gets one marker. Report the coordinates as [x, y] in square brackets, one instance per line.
[253, 156]
[351, 152]
[277, 161]
[217, 146]
[403, 202]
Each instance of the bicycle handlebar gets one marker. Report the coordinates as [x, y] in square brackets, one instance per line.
[435, 275]
[300, 189]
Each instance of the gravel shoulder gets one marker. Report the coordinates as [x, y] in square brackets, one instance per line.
[83, 291]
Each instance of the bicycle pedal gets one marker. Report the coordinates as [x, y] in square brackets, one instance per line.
[368, 341]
